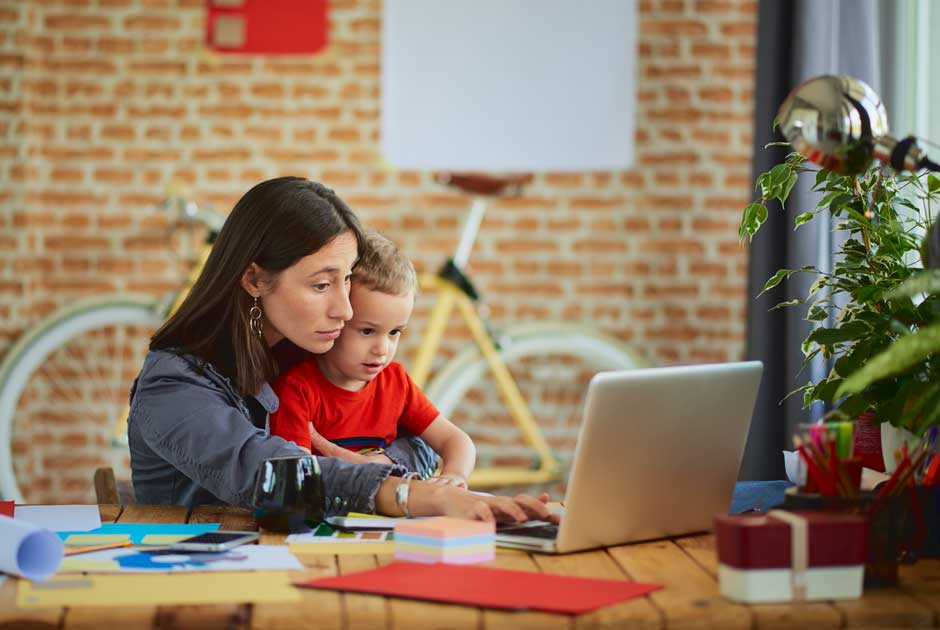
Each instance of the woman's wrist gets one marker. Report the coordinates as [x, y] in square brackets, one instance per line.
[424, 499]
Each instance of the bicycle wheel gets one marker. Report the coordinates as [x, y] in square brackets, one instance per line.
[551, 363]
[64, 386]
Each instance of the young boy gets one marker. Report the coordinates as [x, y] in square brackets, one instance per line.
[354, 399]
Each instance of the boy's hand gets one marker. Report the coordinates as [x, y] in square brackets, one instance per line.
[450, 479]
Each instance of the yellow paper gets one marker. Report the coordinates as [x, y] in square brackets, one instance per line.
[83, 540]
[153, 590]
[343, 548]
[79, 565]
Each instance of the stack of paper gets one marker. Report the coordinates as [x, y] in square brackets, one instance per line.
[451, 540]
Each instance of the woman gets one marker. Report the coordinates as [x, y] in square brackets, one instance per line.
[278, 275]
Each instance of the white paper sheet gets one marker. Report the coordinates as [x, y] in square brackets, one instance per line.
[60, 518]
[244, 558]
[508, 85]
[27, 550]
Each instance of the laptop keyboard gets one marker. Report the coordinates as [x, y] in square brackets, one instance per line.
[548, 531]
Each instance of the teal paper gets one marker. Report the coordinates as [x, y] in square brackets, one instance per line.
[137, 531]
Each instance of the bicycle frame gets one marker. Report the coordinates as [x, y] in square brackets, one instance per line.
[450, 296]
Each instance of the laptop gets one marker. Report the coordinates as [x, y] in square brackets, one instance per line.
[657, 455]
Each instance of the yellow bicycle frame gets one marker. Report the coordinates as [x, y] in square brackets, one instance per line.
[450, 296]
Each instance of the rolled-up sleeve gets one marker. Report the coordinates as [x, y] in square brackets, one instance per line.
[198, 429]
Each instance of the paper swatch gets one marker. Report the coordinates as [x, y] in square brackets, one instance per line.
[60, 518]
[154, 590]
[329, 540]
[137, 533]
[28, 551]
[6, 508]
[244, 558]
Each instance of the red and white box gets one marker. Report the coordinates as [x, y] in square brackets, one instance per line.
[791, 556]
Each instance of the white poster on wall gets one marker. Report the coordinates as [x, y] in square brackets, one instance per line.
[508, 85]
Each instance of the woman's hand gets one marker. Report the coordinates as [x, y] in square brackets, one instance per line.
[437, 499]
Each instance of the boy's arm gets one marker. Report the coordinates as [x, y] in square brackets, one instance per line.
[326, 448]
[455, 448]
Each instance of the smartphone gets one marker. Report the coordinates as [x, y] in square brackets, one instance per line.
[215, 541]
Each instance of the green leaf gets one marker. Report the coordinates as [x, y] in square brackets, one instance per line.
[776, 279]
[926, 281]
[802, 218]
[754, 216]
[933, 183]
[783, 193]
[849, 331]
[817, 314]
[901, 355]
[854, 406]
[785, 304]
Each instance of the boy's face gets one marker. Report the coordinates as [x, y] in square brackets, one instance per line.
[369, 340]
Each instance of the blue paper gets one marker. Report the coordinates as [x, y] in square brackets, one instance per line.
[137, 531]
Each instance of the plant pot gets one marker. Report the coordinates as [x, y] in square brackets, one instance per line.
[893, 438]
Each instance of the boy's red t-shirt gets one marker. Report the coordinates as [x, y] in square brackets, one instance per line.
[368, 418]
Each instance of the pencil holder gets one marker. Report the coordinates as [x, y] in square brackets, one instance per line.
[288, 495]
[923, 528]
[888, 521]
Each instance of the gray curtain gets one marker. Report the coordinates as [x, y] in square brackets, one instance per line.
[797, 40]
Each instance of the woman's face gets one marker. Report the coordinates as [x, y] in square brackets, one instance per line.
[309, 301]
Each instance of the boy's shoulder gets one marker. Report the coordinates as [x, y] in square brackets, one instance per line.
[302, 372]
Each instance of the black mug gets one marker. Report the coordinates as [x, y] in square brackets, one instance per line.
[288, 495]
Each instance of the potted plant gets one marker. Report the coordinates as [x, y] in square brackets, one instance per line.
[883, 339]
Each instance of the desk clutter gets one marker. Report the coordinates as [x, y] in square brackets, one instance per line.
[842, 527]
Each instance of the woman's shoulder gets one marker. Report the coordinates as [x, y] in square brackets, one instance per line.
[170, 370]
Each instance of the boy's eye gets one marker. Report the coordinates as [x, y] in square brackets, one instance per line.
[321, 286]
[367, 331]
[348, 279]
[395, 333]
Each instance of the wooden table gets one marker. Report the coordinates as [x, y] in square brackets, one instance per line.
[686, 566]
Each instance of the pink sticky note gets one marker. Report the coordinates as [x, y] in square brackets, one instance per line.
[491, 588]
[444, 527]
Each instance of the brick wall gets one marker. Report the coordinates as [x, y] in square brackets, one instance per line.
[104, 102]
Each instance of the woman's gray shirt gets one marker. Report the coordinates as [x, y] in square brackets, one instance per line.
[194, 440]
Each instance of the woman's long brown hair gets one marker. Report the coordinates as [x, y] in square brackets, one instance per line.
[274, 225]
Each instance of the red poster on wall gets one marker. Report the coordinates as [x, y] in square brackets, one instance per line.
[267, 26]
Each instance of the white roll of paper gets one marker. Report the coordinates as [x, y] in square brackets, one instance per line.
[28, 551]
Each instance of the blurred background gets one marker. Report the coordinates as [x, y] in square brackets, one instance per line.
[107, 104]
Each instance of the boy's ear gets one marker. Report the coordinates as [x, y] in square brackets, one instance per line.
[251, 280]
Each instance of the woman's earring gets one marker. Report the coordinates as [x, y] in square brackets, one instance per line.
[254, 319]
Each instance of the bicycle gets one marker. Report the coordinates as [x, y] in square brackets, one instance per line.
[70, 347]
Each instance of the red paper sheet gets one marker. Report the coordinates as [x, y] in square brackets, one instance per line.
[491, 588]
[6, 508]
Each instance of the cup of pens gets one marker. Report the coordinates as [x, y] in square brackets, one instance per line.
[898, 528]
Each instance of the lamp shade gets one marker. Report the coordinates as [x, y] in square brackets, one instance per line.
[508, 85]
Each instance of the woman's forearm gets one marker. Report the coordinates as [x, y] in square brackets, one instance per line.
[424, 499]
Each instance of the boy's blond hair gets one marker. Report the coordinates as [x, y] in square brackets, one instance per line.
[383, 268]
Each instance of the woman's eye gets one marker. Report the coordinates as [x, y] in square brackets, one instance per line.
[322, 286]
[367, 331]
[348, 279]
[395, 333]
